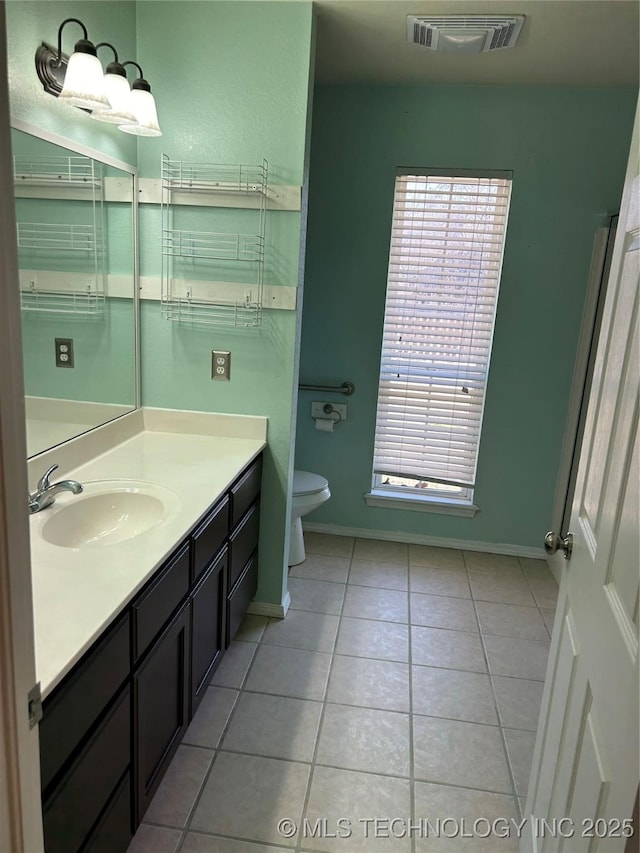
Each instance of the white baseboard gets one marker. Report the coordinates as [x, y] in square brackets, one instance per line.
[266, 608]
[417, 539]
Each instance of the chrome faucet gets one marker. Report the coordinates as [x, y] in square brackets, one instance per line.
[46, 492]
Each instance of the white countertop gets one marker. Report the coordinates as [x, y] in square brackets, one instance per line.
[78, 592]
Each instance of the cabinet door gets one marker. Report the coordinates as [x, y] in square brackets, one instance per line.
[161, 707]
[207, 627]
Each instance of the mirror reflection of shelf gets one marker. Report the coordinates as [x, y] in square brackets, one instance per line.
[88, 302]
[235, 259]
[77, 247]
[59, 237]
[58, 170]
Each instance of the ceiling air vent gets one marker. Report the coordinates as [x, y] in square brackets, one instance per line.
[464, 33]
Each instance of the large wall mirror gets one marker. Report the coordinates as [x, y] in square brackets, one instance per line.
[76, 255]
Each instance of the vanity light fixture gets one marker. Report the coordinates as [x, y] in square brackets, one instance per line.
[80, 81]
[82, 85]
[143, 106]
[118, 92]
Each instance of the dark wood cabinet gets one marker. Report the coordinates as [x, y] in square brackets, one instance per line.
[114, 829]
[90, 781]
[160, 707]
[111, 728]
[207, 626]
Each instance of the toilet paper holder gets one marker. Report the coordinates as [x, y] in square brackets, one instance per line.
[323, 412]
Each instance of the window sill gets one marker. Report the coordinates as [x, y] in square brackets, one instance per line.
[413, 503]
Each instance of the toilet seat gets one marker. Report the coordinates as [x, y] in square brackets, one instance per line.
[306, 483]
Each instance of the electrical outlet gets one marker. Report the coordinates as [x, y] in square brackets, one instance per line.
[220, 365]
[64, 352]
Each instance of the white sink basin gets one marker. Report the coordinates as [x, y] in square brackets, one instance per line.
[107, 512]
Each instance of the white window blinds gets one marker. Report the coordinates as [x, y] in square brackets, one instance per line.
[447, 243]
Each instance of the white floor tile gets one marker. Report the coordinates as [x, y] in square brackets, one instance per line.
[356, 797]
[442, 611]
[511, 620]
[211, 717]
[316, 596]
[373, 683]
[520, 750]
[460, 753]
[301, 629]
[388, 605]
[178, 790]
[246, 796]
[290, 672]
[234, 665]
[449, 649]
[378, 574]
[440, 802]
[518, 702]
[436, 558]
[368, 638]
[274, 726]
[379, 550]
[327, 543]
[517, 658]
[453, 694]
[439, 582]
[365, 739]
[322, 567]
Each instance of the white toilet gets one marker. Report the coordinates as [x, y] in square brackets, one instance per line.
[309, 492]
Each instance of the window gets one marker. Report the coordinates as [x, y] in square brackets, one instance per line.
[447, 243]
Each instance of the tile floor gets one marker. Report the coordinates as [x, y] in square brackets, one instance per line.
[403, 685]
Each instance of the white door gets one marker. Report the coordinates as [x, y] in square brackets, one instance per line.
[586, 758]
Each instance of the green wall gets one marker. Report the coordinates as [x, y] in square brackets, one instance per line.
[567, 149]
[231, 82]
[30, 22]
[104, 360]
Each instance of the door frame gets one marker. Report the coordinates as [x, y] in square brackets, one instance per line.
[20, 810]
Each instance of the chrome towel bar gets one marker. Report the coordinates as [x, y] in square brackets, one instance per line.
[346, 388]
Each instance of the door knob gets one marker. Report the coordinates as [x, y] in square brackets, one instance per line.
[553, 543]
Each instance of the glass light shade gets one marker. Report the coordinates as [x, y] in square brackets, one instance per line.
[143, 105]
[118, 92]
[84, 83]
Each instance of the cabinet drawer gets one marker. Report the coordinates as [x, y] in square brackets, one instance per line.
[156, 606]
[113, 832]
[209, 536]
[73, 708]
[83, 792]
[241, 598]
[243, 543]
[245, 491]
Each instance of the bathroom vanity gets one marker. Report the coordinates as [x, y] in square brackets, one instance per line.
[155, 613]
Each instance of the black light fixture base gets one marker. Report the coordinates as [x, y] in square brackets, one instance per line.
[51, 73]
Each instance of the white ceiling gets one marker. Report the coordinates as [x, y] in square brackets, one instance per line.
[562, 43]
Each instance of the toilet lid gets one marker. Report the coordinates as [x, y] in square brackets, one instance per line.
[306, 483]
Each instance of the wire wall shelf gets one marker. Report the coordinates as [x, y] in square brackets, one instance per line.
[59, 170]
[233, 260]
[204, 245]
[214, 177]
[219, 313]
